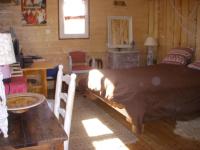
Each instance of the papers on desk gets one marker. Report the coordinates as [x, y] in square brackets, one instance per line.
[16, 70]
[39, 60]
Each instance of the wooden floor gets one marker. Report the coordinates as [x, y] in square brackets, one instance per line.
[158, 135]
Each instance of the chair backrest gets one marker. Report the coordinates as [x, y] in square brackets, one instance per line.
[68, 98]
[78, 56]
[78, 62]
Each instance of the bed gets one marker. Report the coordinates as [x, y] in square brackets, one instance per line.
[147, 93]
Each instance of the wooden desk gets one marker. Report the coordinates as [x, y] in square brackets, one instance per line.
[36, 129]
[38, 68]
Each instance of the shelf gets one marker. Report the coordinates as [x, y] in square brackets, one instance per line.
[32, 7]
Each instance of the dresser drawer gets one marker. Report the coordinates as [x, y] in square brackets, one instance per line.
[123, 59]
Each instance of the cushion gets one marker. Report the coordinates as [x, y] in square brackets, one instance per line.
[195, 65]
[179, 56]
[52, 72]
[17, 85]
[81, 67]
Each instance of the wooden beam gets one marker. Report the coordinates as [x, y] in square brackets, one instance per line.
[156, 25]
[151, 17]
[177, 24]
[192, 26]
[156, 14]
[170, 25]
[184, 23]
[198, 35]
[162, 29]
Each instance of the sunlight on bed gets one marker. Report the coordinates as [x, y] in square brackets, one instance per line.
[109, 144]
[109, 88]
[94, 83]
[94, 127]
[94, 80]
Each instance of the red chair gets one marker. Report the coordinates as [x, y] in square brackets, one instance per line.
[78, 62]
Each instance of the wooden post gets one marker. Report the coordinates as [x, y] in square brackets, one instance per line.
[184, 29]
[193, 9]
[198, 35]
[177, 24]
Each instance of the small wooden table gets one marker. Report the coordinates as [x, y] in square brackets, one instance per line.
[39, 68]
[36, 129]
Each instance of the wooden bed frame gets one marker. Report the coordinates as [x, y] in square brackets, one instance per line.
[116, 106]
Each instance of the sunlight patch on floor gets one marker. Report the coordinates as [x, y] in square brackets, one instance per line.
[108, 144]
[94, 127]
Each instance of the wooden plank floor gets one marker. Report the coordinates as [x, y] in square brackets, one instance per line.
[158, 135]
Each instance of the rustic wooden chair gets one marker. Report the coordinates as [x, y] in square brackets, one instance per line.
[78, 62]
[68, 98]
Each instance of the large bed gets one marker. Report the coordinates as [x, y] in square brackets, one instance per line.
[147, 93]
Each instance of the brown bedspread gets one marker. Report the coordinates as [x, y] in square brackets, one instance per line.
[152, 92]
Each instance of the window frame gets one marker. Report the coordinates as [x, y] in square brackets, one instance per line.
[62, 35]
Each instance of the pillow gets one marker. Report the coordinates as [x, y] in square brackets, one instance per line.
[195, 65]
[179, 56]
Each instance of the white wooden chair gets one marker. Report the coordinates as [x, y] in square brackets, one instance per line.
[68, 98]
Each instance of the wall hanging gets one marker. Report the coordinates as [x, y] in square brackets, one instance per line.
[34, 12]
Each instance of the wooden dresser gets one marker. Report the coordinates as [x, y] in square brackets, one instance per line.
[123, 59]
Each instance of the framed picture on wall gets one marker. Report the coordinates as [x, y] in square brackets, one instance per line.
[34, 12]
[120, 32]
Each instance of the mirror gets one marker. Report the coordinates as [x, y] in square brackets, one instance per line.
[120, 32]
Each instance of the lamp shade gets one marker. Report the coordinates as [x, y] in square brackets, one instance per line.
[150, 41]
[6, 49]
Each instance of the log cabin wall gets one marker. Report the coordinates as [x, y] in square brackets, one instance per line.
[175, 23]
[43, 40]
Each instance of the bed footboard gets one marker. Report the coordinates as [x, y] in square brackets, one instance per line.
[116, 106]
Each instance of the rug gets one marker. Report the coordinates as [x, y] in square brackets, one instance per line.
[88, 117]
[188, 129]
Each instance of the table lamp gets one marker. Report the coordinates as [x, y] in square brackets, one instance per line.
[7, 55]
[150, 42]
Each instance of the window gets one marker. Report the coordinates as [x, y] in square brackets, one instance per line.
[73, 19]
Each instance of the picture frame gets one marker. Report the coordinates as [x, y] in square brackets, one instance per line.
[120, 32]
[33, 12]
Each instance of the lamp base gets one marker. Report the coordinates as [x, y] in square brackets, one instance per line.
[150, 56]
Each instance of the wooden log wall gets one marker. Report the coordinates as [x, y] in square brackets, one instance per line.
[175, 23]
[43, 40]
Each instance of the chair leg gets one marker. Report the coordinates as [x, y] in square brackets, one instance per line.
[66, 144]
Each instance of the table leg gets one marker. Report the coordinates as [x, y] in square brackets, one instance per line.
[44, 81]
